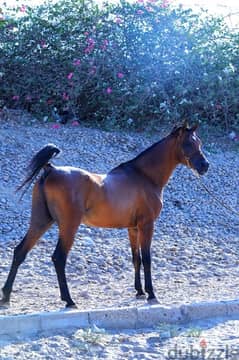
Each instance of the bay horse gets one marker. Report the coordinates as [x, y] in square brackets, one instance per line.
[129, 196]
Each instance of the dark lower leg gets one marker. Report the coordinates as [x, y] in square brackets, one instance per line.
[133, 236]
[19, 256]
[147, 273]
[59, 259]
[137, 279]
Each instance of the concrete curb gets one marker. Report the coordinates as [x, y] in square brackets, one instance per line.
[115, 318]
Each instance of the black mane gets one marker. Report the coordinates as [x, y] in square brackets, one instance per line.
[143, 153]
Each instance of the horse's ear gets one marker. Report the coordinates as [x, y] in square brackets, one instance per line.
[185, 125]
[194, 127]
[178, 130]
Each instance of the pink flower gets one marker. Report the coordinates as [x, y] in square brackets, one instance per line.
[140, 12]
[23, 8]
[75, 123]
[16, 97]
[149, 8]
[105, 44]
[120, 75]
[55, 126]
[43, 44]
[91, 45]
[49, 101]
[65, 96]
[118, 20]
[28, 98]
[93, 70]
[70, 75]
[86, 33]
[109, 90]
[164, 3]
[76, 62]
[91, 41]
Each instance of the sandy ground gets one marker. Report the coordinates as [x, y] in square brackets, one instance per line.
[194, 252]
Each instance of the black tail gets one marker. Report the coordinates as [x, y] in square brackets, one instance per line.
[37, 163]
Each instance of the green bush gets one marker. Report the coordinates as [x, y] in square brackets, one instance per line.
[125, 64]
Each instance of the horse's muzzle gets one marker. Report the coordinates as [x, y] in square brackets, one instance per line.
[199, 163]
[202, 167]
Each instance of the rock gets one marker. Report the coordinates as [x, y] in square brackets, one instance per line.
[232, 135]
[88, 241]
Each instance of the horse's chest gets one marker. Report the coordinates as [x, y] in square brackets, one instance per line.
[152, 203]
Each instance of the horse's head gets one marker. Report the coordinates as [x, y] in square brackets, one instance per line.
[189, 148]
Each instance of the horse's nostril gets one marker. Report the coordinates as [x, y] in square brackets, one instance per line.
[204, 167]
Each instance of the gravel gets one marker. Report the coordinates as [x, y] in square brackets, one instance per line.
[195, 251]
[216, 339]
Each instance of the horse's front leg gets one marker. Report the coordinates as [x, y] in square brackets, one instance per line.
[145, 233]
[136, 258]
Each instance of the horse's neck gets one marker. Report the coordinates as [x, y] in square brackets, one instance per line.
[159, 162]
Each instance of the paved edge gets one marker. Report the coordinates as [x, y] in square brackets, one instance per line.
[115, 318]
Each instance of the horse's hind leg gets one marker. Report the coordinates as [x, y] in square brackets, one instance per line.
[40, 222]
[59, 257]
[136, 257]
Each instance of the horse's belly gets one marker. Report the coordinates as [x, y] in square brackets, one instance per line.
[120, 205]
[110, 216]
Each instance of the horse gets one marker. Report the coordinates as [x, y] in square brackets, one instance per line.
[129, 196]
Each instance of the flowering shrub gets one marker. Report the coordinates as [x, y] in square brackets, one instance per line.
[124, 64]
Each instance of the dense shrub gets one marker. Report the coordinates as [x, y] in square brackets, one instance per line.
[124, 64]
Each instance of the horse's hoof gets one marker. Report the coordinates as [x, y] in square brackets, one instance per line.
[140, 296]
[152, 301]
[4, 304]
[71, 306]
